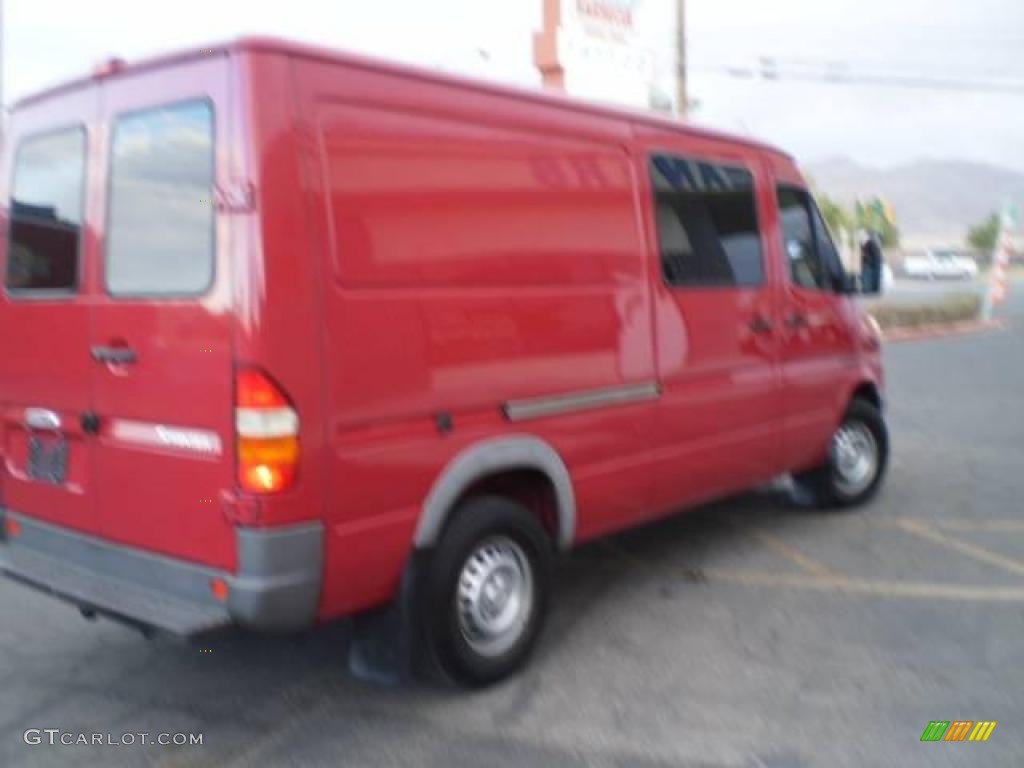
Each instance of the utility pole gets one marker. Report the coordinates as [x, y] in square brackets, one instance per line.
[682, 96]
[1, 63]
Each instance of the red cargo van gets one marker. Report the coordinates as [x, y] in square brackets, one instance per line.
[291, 334]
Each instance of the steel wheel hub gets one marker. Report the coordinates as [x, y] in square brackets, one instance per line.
[854, 458]
[494, 596]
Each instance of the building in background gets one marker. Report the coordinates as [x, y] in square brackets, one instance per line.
[597, 50]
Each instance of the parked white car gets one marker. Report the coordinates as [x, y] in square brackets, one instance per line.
[887, 278]
[936, 265]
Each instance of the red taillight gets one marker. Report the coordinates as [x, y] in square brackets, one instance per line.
[267, 430]
[254, 389]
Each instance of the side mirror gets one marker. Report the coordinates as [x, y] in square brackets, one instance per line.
[870, 282]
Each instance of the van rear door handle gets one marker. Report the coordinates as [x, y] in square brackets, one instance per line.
[90, 423]
[114, 355]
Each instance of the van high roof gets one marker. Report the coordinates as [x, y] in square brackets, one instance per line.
[116, 67]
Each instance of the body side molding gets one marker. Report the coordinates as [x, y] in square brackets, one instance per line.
[554, 405]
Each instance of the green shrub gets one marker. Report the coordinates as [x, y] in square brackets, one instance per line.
[955, 308]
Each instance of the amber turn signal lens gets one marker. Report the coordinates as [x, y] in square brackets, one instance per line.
[267, 465]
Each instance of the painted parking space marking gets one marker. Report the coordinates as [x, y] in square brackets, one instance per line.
[821, 577]
[979, 553]
[981, 526]
[913, 590]
[778, 545]
[888, 589]
[957, 524]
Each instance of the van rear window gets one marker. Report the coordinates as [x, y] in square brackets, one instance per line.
[160, 230]
[707, 223]
[46, 213]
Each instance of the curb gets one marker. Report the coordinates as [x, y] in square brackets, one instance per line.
[940, 330]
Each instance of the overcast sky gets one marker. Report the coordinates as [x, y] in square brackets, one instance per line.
[964, 40]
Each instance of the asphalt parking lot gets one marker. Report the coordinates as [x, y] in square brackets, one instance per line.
[751, 633]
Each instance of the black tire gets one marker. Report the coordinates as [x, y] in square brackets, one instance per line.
[824, 485]
[476, 527]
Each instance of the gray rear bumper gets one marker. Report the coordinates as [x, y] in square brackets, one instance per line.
[276, 588]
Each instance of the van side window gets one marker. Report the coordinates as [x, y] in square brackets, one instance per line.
[160, 227]
[707, 223]
[814, 262]
[48, 192]
[826, 247]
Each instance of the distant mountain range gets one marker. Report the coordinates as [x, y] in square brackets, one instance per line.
[935, 200]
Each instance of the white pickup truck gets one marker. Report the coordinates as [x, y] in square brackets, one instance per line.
[936, 265]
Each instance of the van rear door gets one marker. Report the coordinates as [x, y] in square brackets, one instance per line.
[45, 372]
[162, 325]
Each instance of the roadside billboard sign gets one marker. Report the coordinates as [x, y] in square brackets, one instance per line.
[598, 51]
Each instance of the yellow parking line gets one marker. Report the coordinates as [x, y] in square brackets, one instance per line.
[791, 553]
[971, 550]
[961, 524]
[914, 590]
[981, 526]
[891, 589]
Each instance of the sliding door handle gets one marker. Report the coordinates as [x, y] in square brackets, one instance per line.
[114, 355]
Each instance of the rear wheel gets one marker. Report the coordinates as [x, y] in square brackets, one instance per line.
[857, 459]
[487, 589]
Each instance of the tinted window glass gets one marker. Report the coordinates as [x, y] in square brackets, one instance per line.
[814, 262]
[707, 223]
[46, 212]
[830, 260]
[160, 231]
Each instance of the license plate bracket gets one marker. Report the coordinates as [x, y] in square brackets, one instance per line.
[47, 459]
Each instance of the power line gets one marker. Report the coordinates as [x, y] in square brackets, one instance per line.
[840, 72]
[840, 76]
[945, 66]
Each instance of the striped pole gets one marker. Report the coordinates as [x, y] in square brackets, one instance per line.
[997, 283]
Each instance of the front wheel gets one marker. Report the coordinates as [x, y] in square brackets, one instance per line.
[487, 590]
[857, 459]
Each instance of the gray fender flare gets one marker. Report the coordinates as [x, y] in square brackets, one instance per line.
[489, 457]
